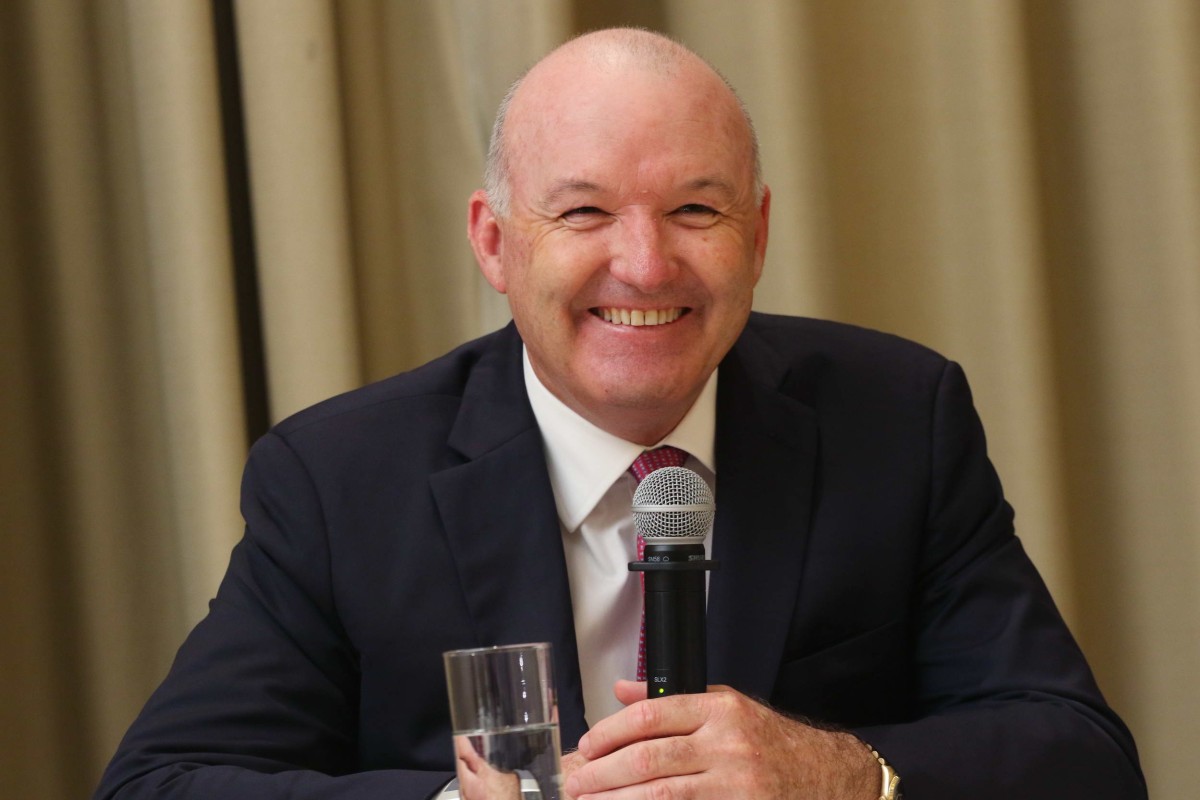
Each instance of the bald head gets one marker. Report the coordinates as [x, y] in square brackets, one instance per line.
[556, 78]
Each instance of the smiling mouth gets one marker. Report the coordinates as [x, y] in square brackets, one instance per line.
[638, 317]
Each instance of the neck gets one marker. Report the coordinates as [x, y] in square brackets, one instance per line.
[646, 432]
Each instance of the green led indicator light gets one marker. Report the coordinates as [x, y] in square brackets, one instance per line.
[661, 690]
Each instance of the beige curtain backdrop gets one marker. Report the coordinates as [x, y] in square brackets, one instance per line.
[1016, 184]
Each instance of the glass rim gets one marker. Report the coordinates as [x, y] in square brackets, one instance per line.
[495, 648]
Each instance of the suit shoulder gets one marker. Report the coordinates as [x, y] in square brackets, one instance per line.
[817, 345]
[434, 383]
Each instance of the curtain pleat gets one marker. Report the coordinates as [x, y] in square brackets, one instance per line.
[187, 249]
[1117, 111]
[297, 158]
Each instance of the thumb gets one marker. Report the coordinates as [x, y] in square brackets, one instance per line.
[629, 692]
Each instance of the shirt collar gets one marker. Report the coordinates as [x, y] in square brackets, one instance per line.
[584, 461]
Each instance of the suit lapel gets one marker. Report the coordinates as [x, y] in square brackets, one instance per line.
[766, 446]
[502, 527]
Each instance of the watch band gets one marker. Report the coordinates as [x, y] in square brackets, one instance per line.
[890, 789]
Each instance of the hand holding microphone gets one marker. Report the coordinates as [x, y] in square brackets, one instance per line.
[709, 741]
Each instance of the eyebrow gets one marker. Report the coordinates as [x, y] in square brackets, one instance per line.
[722, 187]
[572, 185]
[567, 187]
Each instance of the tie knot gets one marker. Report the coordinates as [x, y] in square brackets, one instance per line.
[650, 460]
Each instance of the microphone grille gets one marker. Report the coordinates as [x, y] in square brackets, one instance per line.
[673, 503]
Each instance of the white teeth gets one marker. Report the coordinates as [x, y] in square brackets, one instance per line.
[638, 317]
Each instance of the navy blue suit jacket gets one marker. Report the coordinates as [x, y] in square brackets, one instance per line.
[869, 579]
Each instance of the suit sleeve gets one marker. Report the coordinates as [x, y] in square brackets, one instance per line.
[262, 700]
[1007, 705]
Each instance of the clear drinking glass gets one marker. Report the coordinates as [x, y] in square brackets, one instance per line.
[505, 719]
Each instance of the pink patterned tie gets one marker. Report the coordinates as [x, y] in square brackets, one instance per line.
[646, 463]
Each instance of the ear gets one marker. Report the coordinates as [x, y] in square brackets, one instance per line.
[762, 224]
[483, 229]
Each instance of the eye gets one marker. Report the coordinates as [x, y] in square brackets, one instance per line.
[581, 213]
[696, 215]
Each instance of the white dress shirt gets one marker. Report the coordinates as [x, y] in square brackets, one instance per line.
[593, 490]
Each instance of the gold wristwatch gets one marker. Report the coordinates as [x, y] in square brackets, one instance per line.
[891, 781]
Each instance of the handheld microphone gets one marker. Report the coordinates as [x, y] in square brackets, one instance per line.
[673, 510]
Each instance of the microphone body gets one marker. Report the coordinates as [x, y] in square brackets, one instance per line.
[676, 637]
[673, 510]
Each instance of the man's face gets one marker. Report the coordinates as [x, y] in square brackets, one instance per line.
[633, 242]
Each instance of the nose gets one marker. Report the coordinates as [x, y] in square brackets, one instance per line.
[641, 256]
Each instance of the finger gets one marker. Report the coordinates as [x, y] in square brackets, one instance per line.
[572, 761]
[488, 786]
[688, 786]
[678, 715]
[629, 692]
[470, 757]
[637, 765]
[470, 785]
[464, 750]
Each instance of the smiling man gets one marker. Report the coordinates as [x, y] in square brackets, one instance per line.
[874, 616]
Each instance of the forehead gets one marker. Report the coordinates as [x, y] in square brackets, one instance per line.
[582, 124]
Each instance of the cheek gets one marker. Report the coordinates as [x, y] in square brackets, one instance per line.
[564, 269]
[513, 260]
[725, 265]
[539, 289]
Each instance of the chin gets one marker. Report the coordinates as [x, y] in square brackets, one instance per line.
[646, 397]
